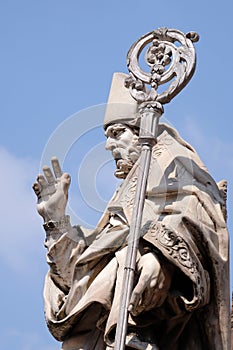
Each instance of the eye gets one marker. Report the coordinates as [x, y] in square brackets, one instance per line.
[117, 132]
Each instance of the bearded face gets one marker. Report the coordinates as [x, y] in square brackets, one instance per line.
[123, 142]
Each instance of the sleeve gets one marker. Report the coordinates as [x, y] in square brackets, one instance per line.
[64, 245]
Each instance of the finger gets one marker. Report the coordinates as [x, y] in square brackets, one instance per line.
[56, 167]
[65, 181]
[48, 174]
[41, 181]
[134, 301]
[37, 189]
[137, 294]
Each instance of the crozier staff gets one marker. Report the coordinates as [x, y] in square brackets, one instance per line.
[182, 257]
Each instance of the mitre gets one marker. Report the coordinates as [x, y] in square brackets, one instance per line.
[121, 106]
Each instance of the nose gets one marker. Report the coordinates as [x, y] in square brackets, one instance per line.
[110, 144]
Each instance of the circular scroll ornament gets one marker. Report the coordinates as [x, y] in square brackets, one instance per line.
[171, 58]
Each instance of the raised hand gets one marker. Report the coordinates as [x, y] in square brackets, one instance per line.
[52, 192]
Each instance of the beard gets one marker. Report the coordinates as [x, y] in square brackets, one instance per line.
[123, 168]
[125, 159]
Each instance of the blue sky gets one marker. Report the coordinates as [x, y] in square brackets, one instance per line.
[57, 58]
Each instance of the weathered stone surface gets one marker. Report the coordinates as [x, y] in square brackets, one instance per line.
[180, 292]
[184, 238]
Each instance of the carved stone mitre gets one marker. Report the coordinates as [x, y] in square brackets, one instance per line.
[121, 106]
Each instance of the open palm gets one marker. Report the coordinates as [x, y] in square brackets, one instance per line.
[52, 192]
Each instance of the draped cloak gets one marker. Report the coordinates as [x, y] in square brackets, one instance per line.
[183, 224]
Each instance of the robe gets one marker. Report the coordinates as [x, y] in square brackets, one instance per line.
[183, 224]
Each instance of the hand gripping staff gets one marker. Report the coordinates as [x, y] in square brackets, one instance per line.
[171, 58]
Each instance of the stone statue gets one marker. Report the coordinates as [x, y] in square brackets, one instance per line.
[180, 293]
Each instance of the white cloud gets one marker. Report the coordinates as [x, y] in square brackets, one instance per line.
[22, 257]
[20, 225]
